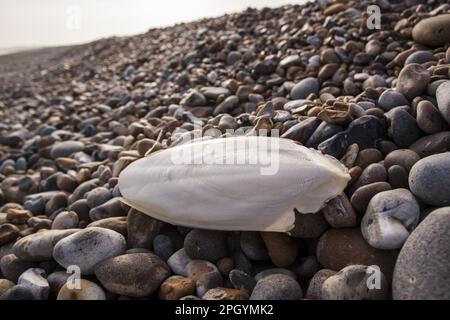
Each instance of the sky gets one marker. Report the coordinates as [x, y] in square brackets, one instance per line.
[39, 23]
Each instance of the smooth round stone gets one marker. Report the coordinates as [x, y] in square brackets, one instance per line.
[176, 287]
[404, 128]
[309, 225]
[429, 179]
[362, 196]
[429, 118]
[12, 267]
[141, 229]
[323, 131]
[412, 80]
[351, 283]
[82, 189]
[66, 148]
[307, 267]
[422, 270]
[241, 280]
[97, 196]
[432, 144]
[253, 246]
[277, 287]
[39, 246]
[205, 274]
[88, 247]
[268, 272]
[34, 279]
[398, 177]
[5, 285]
[368, 156]
[133, 275]
[178, 262]
[87, 290]
[225, 294]
[118, 224]
[111, 208]
[339, 213]
[338, 248]
[193, 99]
[390, 99]
[375, 172]
[18, 292]
[163, 246]
[350, 156]
[282, 249]
[314, 291]
[65, 220]
[403, 157]
[205, 245]
[8, 233]
[443, 99]
[390, 218]
[420, 57]
[433, 32]
[304, 88]
[56, 281]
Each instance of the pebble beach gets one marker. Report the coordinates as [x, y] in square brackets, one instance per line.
[376, 98]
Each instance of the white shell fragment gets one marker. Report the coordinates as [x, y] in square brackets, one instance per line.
[250, 183]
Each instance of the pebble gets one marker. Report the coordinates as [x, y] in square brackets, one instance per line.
[365, 131]
[241, 280]
[368, 156]
[433, 32]
[66, 148]
[304, 88]
[429, 119]
[422, 271]
[351, 283]
[39, 246]
[339, 213]
[225, 294]
[111, 208]
[253, 246]
[338, 248]
[205, 274]
[18, 292]
[56, 281]
[390, 99]
[178, 262]
[34, 279]
[432, 144]
[65, 220]
[8, 233]
[141, 229]
[412, 80]
[205, 245]
[133, 275]
[87, 290]
[314, 291]
[375, 172]
[176, 287]
[88, 247]
[404, 129]
[362, 196]
[390, 218]
[163, 246]
[277, 287]
[282, 249]
[443, 100]
[397, 177]
[429, 179]
[403, 157]
[97, 196]
[118, 224]
[5, 285]
[420, 57]
[12, 267]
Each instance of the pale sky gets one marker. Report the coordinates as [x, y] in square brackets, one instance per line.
[36, 23]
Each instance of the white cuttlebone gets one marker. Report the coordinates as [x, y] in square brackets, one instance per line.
[236, 196]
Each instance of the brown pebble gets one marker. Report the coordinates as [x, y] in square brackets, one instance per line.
[282, 249]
